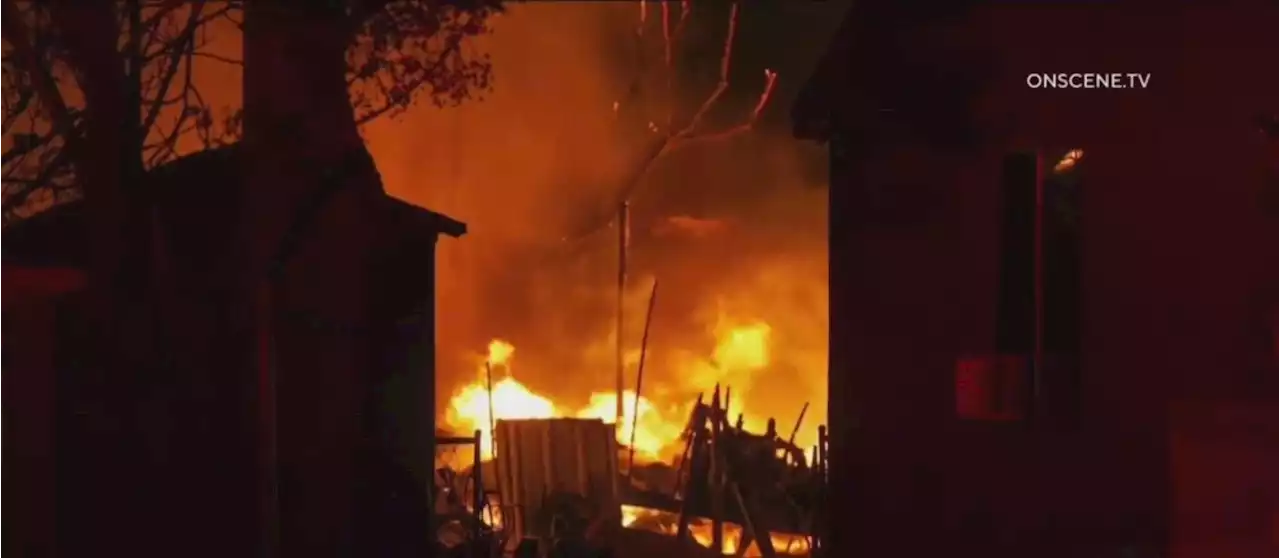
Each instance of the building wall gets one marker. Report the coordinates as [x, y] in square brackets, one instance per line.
[1177, 268]
[353, 316]
[29, 425]
[404, 384]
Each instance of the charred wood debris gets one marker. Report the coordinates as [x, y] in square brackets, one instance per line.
[764, 486]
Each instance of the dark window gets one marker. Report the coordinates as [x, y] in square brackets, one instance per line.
[1039, 296]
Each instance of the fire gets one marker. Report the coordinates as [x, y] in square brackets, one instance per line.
[469, 409]
[653, 432]
[500, 352]
[741, 352]
[744, 348]
[701, 530]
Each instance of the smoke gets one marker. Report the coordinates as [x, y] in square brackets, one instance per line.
[735, 230]
[509, 165]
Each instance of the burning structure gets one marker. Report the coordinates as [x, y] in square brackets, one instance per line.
[729, 223]
[690, 467]
[749, 312]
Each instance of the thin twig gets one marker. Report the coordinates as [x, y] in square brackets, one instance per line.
[668, 64]
[726, 60]
[770, 80]
[42, 80]
[218, 58]
[451, 48]
[673, 136]
[197, 24]
[175, 60]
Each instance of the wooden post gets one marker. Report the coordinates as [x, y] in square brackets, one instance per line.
[493, 435]
[715, 487]
[822, 525]
[685, 457]
[697, 451]
[799, 420]
[822, 448]
[724, 415]
[752, 526]
[477, 482]
[635, 409]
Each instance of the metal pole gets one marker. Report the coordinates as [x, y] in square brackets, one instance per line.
[493, 435]
[623, 240]
[635, 409]
[715, 484]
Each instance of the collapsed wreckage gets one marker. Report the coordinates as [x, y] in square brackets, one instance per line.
[555, 488]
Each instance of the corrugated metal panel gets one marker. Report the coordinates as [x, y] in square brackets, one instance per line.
[543, 456]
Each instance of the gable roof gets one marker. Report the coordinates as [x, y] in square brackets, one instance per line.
[423, 219]
[58, 237]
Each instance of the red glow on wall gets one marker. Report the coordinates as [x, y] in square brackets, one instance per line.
[991, 388]
[27, 283]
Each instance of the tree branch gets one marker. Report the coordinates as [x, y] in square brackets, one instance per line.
[726, 60]
[451, 48]
[184, 43]
[418, 44]
[218, 58]
[672, 136]
[23, 41]
[690, 131]
[193, 25]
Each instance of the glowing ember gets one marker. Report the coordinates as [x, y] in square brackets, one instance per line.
[1068, 161]
[664, 522]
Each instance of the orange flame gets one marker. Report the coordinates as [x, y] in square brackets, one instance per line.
[740, 352]
[500, 352]
[700, 529]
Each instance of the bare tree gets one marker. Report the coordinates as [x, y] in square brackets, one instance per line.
[666, 125]
[96, 95]
[403, 50]
[655, 95]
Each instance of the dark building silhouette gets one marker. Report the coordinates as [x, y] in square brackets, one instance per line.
[44, 258]
[1145, 284]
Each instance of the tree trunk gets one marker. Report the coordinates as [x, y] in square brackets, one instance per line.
[105, 506]
[305, 230]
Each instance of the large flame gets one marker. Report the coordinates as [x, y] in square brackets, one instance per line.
[740, 352]
[469, 408]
